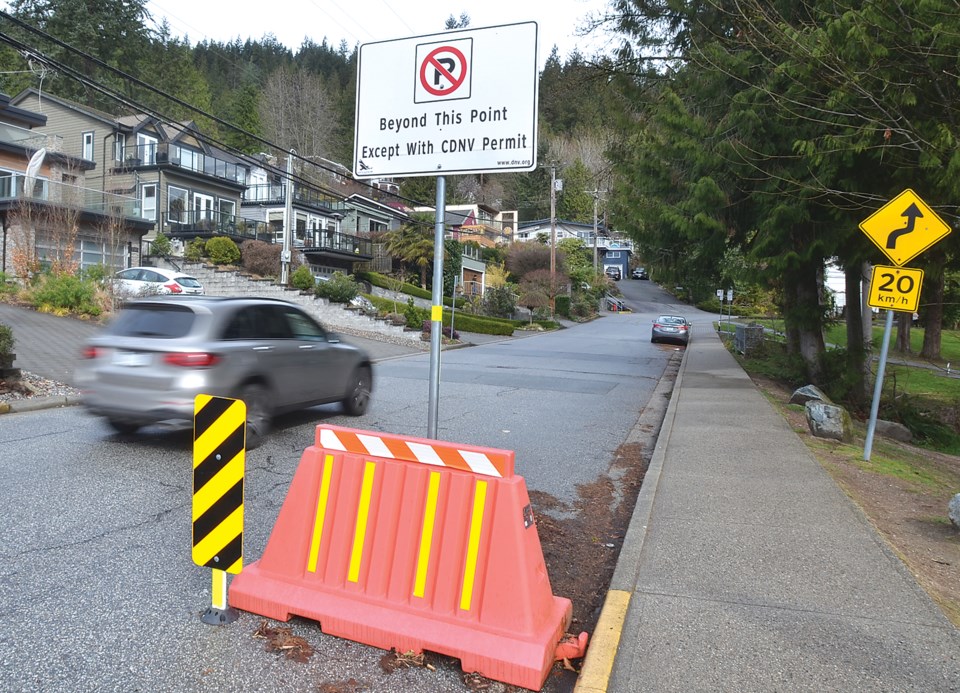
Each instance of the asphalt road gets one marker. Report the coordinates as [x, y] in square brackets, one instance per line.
[97, 588]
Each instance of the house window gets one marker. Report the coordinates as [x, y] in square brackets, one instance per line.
[146, 149]
[613, 254]
[119, 144]
[148, 201]
[87, 146]
[227, 209]
[377, 226]
[177, 204]
[202, 206]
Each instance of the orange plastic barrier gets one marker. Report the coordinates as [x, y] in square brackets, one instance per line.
[412, 544]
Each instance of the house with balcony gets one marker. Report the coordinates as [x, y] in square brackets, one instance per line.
[186, 188]
[324, 228]
[485, 225]
[49, 214]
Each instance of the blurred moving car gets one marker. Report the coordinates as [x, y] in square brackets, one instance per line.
[612, 272]
[671, 328]
[639, 273]
[150, 362]
[149, 281]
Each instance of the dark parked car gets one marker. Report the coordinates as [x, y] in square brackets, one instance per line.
[671, 328]
[639, 273]
[151, 361]
[612, 272]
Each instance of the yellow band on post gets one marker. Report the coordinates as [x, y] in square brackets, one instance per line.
[436, 313]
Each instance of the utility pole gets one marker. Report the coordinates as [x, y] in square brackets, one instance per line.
[553, 221]
[288, 223]
[553, 235]
[596, 195]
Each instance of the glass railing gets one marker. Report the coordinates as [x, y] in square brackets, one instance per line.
[69, 196]
[215, 223]
[276, 192]
[155, 154]
[330, 240]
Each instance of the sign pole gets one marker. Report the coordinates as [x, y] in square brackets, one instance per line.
[436, 310]
[877, 388]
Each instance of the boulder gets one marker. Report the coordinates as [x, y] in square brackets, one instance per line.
[829, 421]
[804, 394]
[894, 430]
[953, 510]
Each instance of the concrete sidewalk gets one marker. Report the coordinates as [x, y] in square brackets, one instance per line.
[745, 567]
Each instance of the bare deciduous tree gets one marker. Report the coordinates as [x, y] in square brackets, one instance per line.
[298, 112]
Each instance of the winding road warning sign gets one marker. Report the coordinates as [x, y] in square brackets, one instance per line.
[904, 227]
[443, 71]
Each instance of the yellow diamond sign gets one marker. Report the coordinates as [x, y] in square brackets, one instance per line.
[904, 227]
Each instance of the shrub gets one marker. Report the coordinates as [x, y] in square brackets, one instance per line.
[414, 315]
[6, 340]
[96, 273]
[222, 251]
[499, 302]
[583, 306]
[161, 245]
[6, 285]
[195, 250]
[303, 279]
[427, 327]
[261, 258]
[66, 293]
[338, 289]
[562, 304]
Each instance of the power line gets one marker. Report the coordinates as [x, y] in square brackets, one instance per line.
[132, 104]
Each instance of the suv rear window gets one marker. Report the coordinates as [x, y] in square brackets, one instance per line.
[161, 322]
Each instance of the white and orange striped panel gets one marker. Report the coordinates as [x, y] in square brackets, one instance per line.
[468, 458]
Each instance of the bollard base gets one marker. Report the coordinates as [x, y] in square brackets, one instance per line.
[219, 617]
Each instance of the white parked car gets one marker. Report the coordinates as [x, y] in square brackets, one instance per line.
[150, 281]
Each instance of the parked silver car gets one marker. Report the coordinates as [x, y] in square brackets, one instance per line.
[135, 282]
[671, 328]
[151, 361]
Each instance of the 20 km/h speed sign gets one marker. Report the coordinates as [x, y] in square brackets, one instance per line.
[895, 288]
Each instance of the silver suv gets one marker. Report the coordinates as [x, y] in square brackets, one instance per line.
[150, 362]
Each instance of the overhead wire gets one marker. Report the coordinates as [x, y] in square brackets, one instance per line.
[132, 104]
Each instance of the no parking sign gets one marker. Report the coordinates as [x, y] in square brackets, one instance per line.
[444, 71]
[451, 103]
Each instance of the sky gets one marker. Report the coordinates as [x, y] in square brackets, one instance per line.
[290, 21]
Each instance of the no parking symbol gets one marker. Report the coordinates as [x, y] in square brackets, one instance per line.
[443, 71]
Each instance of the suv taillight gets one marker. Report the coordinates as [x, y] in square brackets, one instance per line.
[90, 352]
[198, 359]
[174, 288]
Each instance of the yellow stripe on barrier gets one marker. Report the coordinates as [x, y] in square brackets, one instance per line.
[363, 511]
[473, 545]
[426, 534]
[321, 513]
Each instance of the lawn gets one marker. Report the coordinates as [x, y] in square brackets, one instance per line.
[836, 334]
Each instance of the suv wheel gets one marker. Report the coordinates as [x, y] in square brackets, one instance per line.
[259, 415]
[124, 428]
[358, 392]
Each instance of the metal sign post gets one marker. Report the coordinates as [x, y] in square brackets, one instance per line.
[878, 388]
[436, 309]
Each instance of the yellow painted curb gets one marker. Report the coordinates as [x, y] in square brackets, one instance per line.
[598, 664]
[4, 407]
